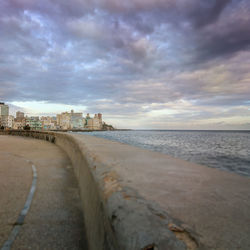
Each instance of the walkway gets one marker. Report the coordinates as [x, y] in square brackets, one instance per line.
[54, 220]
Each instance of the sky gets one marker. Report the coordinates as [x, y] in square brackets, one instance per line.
[150, 64]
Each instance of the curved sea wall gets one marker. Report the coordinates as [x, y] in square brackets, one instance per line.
[116, 216]
[135, 199]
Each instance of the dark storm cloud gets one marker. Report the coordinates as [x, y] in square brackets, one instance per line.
[127, 53]
[206, 12]
[226, 37]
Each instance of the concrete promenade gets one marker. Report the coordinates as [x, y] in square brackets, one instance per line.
[133, 199]
[54, 220]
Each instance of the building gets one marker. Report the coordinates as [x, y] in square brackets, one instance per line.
[70, 120]
[48, 122]
[19, 115]
[20, 121]
[19, 124]
[94, 123]
[63, 120]
[76, 120]
[10, 121]
[4, 109]
[6, 120]
[99, 116]
[34, 123]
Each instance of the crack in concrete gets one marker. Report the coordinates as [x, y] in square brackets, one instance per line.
[20, 220]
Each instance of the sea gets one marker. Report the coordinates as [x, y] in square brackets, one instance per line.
[225, 150]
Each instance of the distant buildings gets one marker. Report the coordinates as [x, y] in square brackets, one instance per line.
[70, 120]
[77, 121]
[19, 124]
[49, 123]
[4, 109]
[6, 120]
[33, 122]
[94, 123]
[19, 115]
[64, 121]
[19, 121]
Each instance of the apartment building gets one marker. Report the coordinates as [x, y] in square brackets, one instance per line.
[19, 115]
[94, 123]
[6, 120]
[70, 120]
[48, 123]
[4, 109]
[34, 123]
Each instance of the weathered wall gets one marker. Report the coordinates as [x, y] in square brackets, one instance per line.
[116, 216]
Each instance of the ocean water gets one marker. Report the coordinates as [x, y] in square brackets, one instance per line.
[225, 150]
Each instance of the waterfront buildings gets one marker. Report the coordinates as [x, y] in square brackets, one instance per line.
[4, 109]
[19, 121]
[70, 120]
[76, 120]
[64, 121]
[94, 123]
[19, 124]
[48, 123]
[6, 120]
[33, 122]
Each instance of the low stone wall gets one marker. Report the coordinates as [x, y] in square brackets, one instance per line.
[116, 216]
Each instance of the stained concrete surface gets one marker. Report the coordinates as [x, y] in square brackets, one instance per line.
[55, 218]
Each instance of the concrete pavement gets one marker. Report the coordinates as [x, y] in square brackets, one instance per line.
[54, 220]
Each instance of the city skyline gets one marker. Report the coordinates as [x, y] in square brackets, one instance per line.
[144, 64]
[67, 120]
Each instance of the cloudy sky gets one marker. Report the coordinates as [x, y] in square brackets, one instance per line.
[174, 64]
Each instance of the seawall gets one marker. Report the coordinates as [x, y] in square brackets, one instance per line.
[136, 199]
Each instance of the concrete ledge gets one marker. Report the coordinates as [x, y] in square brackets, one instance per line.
[116, 217]
[137, 199]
